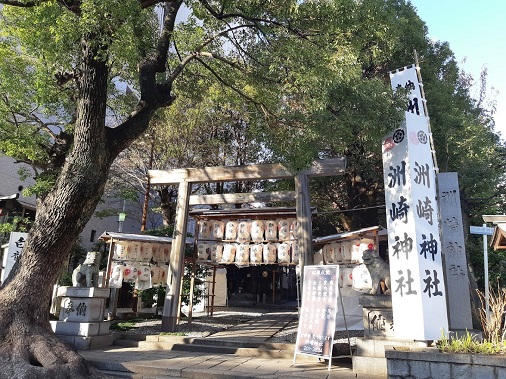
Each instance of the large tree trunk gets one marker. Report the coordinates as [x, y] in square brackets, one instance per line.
[28, 348]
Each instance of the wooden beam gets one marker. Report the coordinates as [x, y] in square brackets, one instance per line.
[325, 167]
[238, 198]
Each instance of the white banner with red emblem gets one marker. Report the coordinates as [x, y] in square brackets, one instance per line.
[417, 283]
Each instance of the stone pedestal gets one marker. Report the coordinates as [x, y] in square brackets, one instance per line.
[81, 320]
[378, 333]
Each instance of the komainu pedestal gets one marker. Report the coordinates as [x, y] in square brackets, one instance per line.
[81, 320]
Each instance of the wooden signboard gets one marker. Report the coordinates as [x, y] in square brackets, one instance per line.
[315, 334]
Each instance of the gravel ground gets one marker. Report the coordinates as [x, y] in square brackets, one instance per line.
[203, 325]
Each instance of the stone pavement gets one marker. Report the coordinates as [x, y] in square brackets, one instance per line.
[164, 364]
[206, 361]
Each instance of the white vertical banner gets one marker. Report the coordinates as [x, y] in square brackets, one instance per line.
[417, 283]
[16, 242]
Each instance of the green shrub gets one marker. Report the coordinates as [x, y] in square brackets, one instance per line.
[493, 326]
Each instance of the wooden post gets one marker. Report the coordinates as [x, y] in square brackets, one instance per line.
[273, 287]
[192, 284]
[214, 288]
[303, 209]
[176, 267]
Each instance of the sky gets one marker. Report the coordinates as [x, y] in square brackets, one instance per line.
[476, 32]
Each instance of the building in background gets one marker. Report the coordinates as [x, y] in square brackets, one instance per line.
[13, 203]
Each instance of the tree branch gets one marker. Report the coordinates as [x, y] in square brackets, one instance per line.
[222, 16]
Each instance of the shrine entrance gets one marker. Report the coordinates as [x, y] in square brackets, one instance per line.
[185, 178]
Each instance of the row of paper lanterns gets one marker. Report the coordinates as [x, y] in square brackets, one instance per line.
[344, 252]
[142, 251]
[249, 254]
[142, 275]
[246, 231]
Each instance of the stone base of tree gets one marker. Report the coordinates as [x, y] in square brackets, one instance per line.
[426, 363]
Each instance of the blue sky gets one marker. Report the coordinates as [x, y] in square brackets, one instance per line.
[476, 32]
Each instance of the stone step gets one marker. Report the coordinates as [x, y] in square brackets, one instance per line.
[375, 347]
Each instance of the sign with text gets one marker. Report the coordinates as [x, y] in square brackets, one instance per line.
[13, 252]
[454, 250]
[484, 230]
[418, 287]
[315, 334]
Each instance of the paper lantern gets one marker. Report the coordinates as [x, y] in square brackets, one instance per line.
[328, 254]
[120, 250]
[166, 252]
[203, 252]
[146, 252]
[116, 279]
[346, 250]
[318, 257]
[362, 281]
[133, 251]
[143, 273]
[244, 231]
[256, 253]
[242, 255]
[159, 275]
[295, 252]
[348, 276]
[158, 252]
[205, 231]
[355, 250]
[130, 273]
[269, 253]
[228, 253]
[271, 230]
[155, 277]
[284, 229]
[340, 280]
[284, 252]
[294, 230]
[231, 230]
[218, 230]
[257, 230]
[337, 252]
[216, 252]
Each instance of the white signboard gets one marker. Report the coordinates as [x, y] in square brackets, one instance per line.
[13, 252]
[418, 289]
[481, 230]
[317, 320]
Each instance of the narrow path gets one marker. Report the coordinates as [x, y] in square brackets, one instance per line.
[258, 329]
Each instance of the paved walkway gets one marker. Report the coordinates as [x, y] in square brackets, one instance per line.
[139, 362]
[258, 329]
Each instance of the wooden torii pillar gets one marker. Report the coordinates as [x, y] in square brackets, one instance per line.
[186, 177]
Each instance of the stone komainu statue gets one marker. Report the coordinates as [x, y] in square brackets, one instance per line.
[86, 274]
[379, 270]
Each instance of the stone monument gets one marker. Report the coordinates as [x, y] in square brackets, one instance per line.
[82, 308]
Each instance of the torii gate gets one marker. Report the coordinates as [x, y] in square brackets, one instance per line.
[184, 178]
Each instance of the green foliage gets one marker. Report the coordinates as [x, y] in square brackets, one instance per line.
[167, 231]
[149, 299]
[124, 326]
[17, 224]
[492, 322]
[65, 279]
[469, 344]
